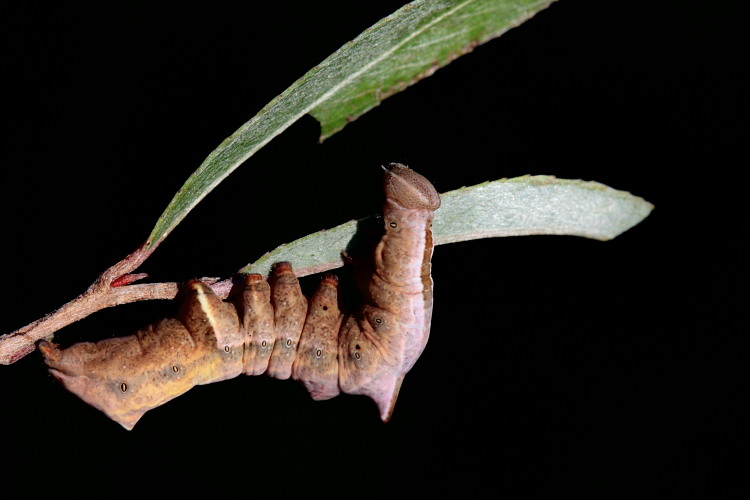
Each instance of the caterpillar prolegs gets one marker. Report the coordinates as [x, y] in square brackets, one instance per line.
[271, 327]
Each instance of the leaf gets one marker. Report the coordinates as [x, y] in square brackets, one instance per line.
[508, 207]
[399, 50]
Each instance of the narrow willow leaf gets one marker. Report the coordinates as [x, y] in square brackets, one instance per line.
[509, 207]
[410, 44]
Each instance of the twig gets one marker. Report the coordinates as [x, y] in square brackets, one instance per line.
[111, 288]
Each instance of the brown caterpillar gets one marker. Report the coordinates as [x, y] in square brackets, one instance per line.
[274, 329]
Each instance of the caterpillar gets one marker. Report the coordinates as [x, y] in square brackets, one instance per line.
[270, 327]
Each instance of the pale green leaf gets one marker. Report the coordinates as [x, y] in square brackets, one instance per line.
[509, 207]
[398, 51]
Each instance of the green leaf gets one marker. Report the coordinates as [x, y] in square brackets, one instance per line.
[398, 51]
[508, 207]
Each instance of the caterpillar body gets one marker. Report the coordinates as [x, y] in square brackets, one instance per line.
[271, 327]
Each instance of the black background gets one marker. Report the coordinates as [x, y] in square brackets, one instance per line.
[556, 364]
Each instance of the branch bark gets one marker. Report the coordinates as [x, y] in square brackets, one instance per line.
[106, 291]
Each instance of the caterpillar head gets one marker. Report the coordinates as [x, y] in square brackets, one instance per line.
[409, 189]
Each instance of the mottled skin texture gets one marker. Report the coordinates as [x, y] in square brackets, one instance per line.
[290, 309]
[316, 366]
[257, 324]
[272, 328]
[127, 376]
